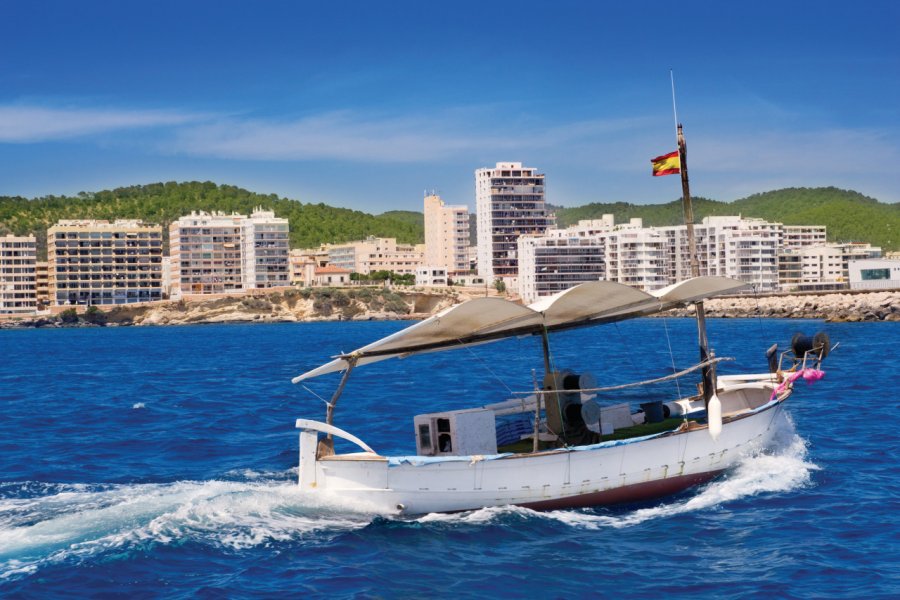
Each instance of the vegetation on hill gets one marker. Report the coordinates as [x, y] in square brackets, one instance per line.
[411, 217]
[162, 203]
[849, 216]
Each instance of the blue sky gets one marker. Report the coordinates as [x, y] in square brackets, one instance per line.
[367, 104]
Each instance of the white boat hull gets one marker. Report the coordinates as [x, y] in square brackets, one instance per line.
[601, 474]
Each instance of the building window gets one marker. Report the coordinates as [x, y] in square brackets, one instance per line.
[871, 274]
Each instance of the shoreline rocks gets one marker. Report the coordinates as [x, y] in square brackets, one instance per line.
[833, 307]
[370, 304]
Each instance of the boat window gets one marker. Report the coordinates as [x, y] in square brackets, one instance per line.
[445, 443]
[443, 425]
[425, 436]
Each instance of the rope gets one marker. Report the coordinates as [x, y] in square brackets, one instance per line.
[485, 365]
[762, 329]
[327, 403]
[624, 345]
[635, 384]
[671, 355]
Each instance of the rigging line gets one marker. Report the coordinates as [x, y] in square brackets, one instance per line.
[671, 354]
[705, 363]
[625, 345]
[762, 329]
[327, 403]
[485, 365]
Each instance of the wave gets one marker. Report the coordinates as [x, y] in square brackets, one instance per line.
[79, 521]
[43, 524]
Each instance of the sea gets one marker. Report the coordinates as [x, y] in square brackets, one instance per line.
[161, 462]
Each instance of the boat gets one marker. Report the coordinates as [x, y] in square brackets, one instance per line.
[556, 446]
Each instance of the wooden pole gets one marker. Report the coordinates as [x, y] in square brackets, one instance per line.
[329, 411]
[709, 383]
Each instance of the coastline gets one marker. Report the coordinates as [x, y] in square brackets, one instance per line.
[369, 304]
[846, 306]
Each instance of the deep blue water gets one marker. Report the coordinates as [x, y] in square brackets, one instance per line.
[160, 462]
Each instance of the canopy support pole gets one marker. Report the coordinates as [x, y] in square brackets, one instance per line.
[329, 412]
[545, 346]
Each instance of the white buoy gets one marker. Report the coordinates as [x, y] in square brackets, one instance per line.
[714, 416]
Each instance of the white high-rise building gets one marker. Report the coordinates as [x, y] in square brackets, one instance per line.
[446, 235]
[558, 260]
[218, 253]
[265, 250]
[18, 274]
[509, 202]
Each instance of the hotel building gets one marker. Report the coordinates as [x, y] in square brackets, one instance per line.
[446, 235]
[96, 262]
[18, 275]
[509, 202]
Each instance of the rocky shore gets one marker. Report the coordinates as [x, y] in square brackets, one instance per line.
[355, 304]
[291, 305]
[835, 307]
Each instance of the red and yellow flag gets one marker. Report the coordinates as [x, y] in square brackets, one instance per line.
[667, 164]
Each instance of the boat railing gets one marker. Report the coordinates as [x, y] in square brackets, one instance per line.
[806, 352]
[318, 426]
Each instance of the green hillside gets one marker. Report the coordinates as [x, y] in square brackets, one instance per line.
[161, 203]
[411, 217]
[848, 215]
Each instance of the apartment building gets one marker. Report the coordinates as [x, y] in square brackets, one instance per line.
[800, 236]
[205, 251]
[509, 202]
[95, 262]
[823, 267]
[558, 260]
[377, 254]
[265, 250]
[649, 258]
[18, 274]
[446, 235]
[42, 283]
[215, 253]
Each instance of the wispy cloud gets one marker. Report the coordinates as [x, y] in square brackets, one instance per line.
[828, 151]
[29, 124]
[736, 158]
[351, 136]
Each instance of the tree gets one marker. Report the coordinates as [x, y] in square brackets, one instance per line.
[69, 316]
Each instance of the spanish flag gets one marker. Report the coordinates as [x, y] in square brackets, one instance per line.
[667, 164]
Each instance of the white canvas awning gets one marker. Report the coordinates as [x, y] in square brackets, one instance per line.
[488, 319]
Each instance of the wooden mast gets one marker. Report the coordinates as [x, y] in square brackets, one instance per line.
[709, 375]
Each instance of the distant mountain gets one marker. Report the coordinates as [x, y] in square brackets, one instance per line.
[162, 203]
[848, 215]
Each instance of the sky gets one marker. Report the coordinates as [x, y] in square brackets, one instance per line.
[367, 105]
